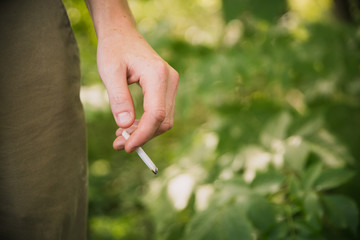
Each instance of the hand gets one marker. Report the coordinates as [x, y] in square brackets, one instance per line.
[125, 58]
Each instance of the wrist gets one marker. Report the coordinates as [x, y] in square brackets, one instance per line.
[117, 32]
[111, 16]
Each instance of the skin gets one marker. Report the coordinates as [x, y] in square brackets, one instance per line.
[123, 58]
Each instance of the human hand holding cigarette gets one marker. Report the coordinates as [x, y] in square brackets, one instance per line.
[123, 58]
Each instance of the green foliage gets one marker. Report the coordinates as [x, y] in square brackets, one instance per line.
[333, 178]
[279, 202]
[227, 222]
[265, 140]
[266, 10]
[342, 212]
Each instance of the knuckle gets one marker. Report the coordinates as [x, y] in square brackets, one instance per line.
[162, 69]
[119, 98]
[176, 75]
[159, 115]
[166, 126]
[169, 126]
[107, 71]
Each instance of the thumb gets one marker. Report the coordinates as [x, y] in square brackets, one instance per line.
[120, 99]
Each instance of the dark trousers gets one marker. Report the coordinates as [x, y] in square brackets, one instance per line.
[43, 164]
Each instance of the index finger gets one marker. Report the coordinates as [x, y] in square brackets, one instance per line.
[154, 86]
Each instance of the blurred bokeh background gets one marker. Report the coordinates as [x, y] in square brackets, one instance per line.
[266, 142]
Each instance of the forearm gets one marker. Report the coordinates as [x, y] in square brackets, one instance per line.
[111, 16]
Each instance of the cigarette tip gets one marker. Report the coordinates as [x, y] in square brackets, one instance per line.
[155, 171]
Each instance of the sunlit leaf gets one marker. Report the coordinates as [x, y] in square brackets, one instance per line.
[227, 223]
[296, 153]
[333, 178]
[329, 149]
[229, 191]
[276, 129]
[267, 182]
[310, 127]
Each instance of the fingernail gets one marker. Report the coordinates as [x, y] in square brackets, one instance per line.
[124, 118]
[119, 144]
[119, 147]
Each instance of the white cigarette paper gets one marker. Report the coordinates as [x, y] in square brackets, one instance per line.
[142, 155]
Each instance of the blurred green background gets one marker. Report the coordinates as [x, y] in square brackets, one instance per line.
[266, 141]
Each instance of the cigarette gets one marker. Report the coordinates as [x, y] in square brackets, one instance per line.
[144, 157]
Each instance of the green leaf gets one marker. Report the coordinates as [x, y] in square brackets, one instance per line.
[302, 228]
[229, 191]
[267, 182]
[261, 213]
[310, 127]
[295, 187]
[329, 149]
[310, 176]
[279, 232]
[227, 223]
[275, 129]
[342, 212]
[333, 178]
[313, 210]
[296, 153]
